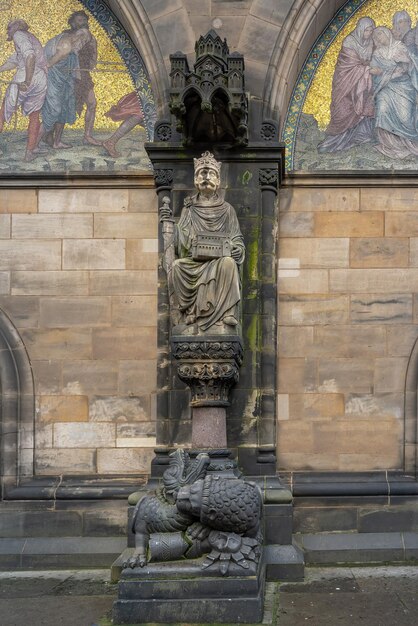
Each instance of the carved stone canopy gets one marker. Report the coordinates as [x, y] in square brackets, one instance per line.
[209, 102]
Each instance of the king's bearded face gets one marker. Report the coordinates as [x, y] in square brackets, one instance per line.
[207, 181]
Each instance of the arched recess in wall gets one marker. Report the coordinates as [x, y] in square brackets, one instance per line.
[304, 22]
[136, 23]
[17, 406]
[98, 95]
[411, 413]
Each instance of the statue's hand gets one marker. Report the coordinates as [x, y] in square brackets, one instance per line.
[236, 254]
[165, 211]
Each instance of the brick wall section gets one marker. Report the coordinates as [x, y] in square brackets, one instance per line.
[348, 280]
[78, 279]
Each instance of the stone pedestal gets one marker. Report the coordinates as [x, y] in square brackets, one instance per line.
[209, 427]
[180, 591]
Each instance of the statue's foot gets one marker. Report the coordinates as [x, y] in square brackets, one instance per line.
[230, 320]
[136, 560]
[190, 319]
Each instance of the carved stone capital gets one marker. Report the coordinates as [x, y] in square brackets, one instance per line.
[210, 367]
[163, 179]
[268, 178]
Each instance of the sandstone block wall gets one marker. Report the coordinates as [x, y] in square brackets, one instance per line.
[348, 282]
[78, 278]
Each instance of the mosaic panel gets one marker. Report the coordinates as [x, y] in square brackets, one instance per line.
[75, 93]
[354, 106]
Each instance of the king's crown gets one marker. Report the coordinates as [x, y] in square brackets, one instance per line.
[207, 160]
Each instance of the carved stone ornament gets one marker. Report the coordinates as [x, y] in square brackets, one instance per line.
[163, 131]
[269, 131]
[197, 513]
[210, 367]
[163, 178]
[209, 102]
[269, 178]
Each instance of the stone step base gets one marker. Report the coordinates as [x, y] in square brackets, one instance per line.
[336, 548]
[59, 552]
[181, 592]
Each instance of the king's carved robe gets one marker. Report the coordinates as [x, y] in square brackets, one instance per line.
[207, 290]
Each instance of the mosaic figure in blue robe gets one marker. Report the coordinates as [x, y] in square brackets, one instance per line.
[59, 107]
[395, 79]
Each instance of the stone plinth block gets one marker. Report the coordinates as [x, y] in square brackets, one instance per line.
[209, 427]
[182, 592]
[209, 365]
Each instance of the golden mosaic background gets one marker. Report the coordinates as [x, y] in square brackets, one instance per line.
[318, 99]
[47, 18]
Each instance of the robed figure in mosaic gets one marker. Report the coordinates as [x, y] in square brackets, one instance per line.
[352, 92]
[204, 279]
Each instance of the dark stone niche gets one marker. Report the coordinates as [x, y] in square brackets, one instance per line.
[214, 513]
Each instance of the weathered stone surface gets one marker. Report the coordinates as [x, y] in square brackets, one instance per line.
[128, 226]
[313, 309]
[325, 461]
[339, 375]
[125, 343]
[350, 224]
[134, 311]
[52, 226]
[49, 283]
[130, 282]
[23, 310]
[124, 460]
[136, 442]
[397, 199]
[137, 377]
[341, 199]
[303, 281]
[258, 48]
[352, 436]
[4, 282]
[5, 228]
[18, 201]
[296, 375]
[296, 224]
[32, 255]
[327, 252]
[93, 254]
[379, 252]
[138, 255]
[401, 224]
[390, 374]
[119, 409]
[59, 343]
[143, 201]
[374, 280]
[84, 435]
[75, 461]
[381, 309]
[376, 405]
[316, 405]
[348, 341]
[90, 377]
[44, 436]
[401, 339]
[64, 408]
[295, 341]
[47, 375]
[413, 242]
[135, 430]
[64, 312]
[83, 200]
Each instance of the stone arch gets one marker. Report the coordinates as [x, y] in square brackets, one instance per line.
[141, 20]
[304, 23]
[411, 413]
[17, 406]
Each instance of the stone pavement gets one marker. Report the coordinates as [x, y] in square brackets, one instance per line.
[378, 596]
